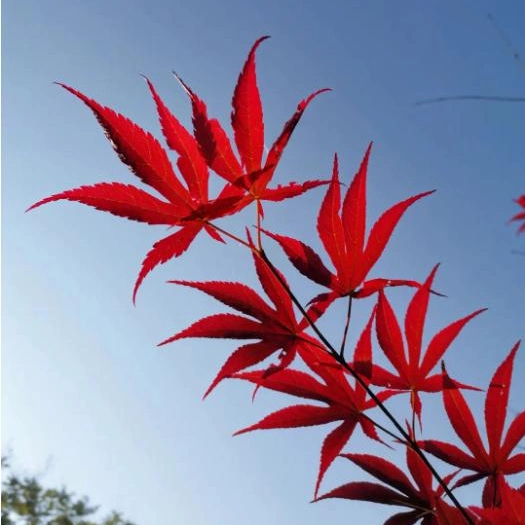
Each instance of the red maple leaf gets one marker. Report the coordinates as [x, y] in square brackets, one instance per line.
[497, 460]
[187, 205]
[247, 172]
[343, 236]
[424, 501]
[412, 369]
[520, 217]
[275, 326]
[344, 403]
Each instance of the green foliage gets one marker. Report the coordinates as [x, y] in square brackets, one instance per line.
[26, 502]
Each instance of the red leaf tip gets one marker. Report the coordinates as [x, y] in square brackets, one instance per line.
[148, 81]
[67, 88]
[185, 86]
[35, 205]
[135, 291]
[515, 347]
[368, 151]
[336, 163]
[315, 93]
[259, 41]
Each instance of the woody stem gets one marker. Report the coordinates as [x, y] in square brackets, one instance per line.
[340, 359]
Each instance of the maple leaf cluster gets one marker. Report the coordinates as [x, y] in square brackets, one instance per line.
[282, 348]
[186, 203]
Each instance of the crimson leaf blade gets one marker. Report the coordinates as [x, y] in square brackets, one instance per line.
[139, 150]
[247, 114]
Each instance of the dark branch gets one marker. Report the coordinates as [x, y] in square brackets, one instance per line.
[507, 41]
[486, 98]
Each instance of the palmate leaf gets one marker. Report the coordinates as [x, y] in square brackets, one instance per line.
[345, 404]
[496, 461]
[424, 501]
[342, 233]
[187, 204]
[412, 370]
[275, 326]
[248, 172]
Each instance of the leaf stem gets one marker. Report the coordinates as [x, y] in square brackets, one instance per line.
[258, 210]
[228, 234]
[380, 427]
[347, 325]
[412, 405]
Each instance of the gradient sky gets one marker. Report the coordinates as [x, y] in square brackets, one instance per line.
[85, 389]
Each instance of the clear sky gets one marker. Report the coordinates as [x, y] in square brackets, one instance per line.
[83, 380]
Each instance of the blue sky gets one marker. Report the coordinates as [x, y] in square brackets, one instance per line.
[83, 380]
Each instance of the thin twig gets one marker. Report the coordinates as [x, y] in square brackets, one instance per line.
[486, 98]
[508, 42]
